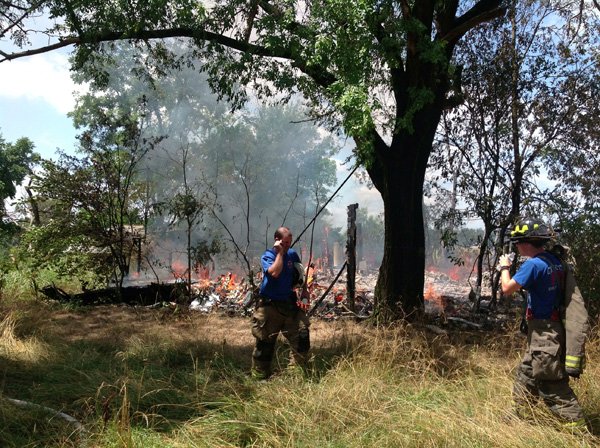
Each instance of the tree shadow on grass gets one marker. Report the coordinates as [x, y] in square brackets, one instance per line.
[143, 369]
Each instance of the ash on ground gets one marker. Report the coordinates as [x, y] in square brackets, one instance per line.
[448, 302]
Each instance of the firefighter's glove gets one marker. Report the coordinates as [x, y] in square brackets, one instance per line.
[574, 365]
[304, 301]
[303, 304]
[505, 262]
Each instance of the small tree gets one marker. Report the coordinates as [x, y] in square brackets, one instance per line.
[187, 206]
[95, 197]
[17, 161]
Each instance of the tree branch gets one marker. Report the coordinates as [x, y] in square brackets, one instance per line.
[392, 55]
[46, 49]
[17, 22]
[250, 21]
[8, 5]
[405, 7]
[269, 8]
[73, 17]
[293, 26]
[483, 11]
[318, 74]
[194, 33]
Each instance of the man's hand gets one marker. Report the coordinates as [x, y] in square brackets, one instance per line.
[508, 285]
[277, 246]
[505, 261]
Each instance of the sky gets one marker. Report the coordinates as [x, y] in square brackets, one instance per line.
[37, 93]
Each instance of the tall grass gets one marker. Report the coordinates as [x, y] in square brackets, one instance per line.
[136, 378]
[18, 285]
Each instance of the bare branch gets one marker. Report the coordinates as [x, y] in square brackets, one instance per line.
[483, 11]
[110, 36]
[296, 194]
[16, 22]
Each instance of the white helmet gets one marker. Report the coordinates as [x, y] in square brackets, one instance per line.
[298, 281]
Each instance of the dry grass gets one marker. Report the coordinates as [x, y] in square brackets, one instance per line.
[138, 377]
[23, 349]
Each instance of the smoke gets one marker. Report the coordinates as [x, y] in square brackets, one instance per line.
[250, 170]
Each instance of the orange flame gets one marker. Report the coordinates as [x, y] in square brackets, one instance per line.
[178, 268]
[456, 273]
[431, 295]
[231, 282]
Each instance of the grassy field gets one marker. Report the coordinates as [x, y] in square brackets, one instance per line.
[157, 378]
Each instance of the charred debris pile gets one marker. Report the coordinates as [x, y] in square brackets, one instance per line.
[448, 302]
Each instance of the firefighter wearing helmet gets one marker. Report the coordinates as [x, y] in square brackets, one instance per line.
[557, 323]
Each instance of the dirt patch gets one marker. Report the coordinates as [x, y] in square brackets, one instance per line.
[125, 322]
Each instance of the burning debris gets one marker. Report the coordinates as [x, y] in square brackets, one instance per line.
[447, 301]
[225, 293]
[234, 297]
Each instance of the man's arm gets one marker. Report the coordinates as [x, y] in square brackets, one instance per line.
[277, 266]
[509, 285]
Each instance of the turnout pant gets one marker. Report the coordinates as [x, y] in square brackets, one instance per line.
[542, 374]
[267, 322]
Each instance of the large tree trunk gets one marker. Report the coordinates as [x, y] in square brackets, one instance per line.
[399, 289]
[399, 177]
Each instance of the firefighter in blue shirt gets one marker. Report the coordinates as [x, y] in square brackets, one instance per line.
[542, 372]
[277, 309]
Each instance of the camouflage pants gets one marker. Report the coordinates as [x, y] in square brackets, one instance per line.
[542, 374]
[270, 320]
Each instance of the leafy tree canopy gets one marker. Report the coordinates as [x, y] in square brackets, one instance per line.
[381, 69]
[16, 162]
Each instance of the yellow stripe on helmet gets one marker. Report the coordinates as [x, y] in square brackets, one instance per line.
[519, 230]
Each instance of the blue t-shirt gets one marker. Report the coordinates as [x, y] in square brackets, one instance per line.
[278, 289]
[543, 281]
